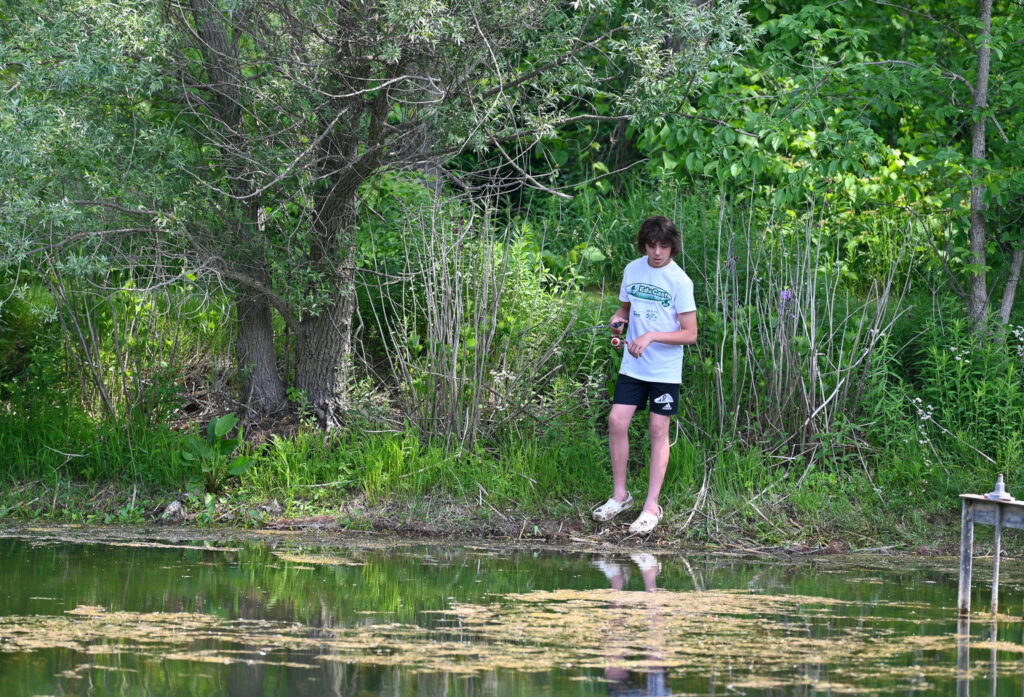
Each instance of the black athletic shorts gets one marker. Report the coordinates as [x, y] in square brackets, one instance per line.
[662, 397]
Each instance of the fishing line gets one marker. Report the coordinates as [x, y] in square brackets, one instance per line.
[594, 328]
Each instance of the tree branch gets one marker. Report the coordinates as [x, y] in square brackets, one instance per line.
[561, 60]
[117, 207]
[219, 266]
[279, 303]
[719, 122]
[945, 73]
[526, 175]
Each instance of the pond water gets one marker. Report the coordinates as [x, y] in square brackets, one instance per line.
[155, 614]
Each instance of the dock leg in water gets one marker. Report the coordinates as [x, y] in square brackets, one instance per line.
[963, 657]
[963, 600]
[998, 543]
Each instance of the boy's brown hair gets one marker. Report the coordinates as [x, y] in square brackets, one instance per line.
[658, 229]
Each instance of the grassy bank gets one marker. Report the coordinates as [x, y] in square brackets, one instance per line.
[525, 490]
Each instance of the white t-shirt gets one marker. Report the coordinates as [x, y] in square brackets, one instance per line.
[657, 297]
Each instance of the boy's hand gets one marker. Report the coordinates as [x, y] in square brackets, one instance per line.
[617, 323]
[639, 344]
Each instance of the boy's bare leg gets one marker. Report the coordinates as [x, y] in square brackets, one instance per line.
[618, 446]
[659, 460]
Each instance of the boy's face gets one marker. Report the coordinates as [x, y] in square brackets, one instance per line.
[658, 254]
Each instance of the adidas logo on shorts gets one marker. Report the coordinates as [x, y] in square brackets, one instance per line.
[665, 399]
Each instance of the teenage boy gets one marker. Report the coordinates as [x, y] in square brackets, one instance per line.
[657, 302]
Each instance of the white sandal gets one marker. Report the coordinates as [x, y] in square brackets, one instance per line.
[611, 508]
[646, 522]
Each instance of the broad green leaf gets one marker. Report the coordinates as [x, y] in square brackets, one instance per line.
[227, 446]
[224, 425]
[240, 465]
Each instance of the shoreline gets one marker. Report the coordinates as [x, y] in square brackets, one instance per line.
[440, 519]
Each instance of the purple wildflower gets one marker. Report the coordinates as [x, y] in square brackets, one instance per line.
[785, 296]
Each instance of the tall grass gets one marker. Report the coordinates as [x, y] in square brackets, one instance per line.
[54, 443]
[786, 348]
[472, 327]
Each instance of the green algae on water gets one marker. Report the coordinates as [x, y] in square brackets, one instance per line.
[755, 636]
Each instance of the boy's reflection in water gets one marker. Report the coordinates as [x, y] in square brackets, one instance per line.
[622, 682]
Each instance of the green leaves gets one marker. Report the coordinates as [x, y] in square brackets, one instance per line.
[74, 76]
[859, 107]
[210, 458]
[219, 428]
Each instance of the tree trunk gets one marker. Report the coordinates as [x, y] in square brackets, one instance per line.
[263, 391]
[1010, 289]
[977, 294]
[324, 357]
[324, 353]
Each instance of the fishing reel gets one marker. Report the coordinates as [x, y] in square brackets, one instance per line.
[617, 341]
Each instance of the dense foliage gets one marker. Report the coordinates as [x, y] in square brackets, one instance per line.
[405, 223]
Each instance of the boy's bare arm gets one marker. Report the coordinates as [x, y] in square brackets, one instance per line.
[685, 335]
[621, 315]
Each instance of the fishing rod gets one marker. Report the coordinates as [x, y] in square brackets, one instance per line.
[594, 328]
[617, 341]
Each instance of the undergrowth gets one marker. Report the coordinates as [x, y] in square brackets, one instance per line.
[820, 404]
[720, 495]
